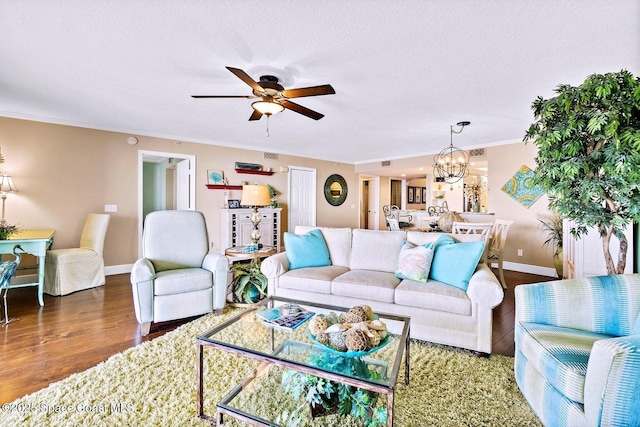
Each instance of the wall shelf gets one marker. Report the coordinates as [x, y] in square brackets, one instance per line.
[254, 172]
[223, 187]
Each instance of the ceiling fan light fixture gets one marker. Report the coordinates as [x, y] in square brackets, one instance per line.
[267, 108]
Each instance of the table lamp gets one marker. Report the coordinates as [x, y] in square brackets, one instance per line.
[255, 196]
[6, 186]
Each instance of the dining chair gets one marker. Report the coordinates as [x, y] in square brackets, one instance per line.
[496, 245]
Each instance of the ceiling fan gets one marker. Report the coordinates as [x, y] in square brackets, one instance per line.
[274, 97]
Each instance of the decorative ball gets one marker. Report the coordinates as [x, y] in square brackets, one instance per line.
[322, 338]
[368, 311]
[356, 340]
[337, 341]
[355, 315]
[374, 339]
[317, 324]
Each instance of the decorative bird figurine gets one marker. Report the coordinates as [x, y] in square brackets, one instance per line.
[7, 271]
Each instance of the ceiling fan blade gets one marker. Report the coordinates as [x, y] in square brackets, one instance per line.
[256, 115]
[246, 78]
[300, 109]
[224, 96]
[309, 91]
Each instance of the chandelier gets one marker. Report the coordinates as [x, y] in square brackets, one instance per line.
[452, 163]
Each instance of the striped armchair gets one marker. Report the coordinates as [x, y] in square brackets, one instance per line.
[577, 357]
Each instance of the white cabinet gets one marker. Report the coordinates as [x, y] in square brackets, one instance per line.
[236, 227]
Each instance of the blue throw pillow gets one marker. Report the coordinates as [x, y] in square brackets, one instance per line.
[414, 261]
[454, 263]
[309, 250]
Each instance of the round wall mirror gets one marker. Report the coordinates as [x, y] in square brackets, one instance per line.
[335, 190]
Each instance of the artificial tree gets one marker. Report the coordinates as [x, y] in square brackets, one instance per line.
[588, 140]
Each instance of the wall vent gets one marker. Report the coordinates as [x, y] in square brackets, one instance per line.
[271, 156]
[477, 152]
[386, 163]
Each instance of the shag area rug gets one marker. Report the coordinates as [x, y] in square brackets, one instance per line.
[154, 384]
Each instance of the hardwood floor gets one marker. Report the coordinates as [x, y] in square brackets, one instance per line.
[73, 333]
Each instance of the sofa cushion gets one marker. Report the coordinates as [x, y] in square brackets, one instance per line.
[366, 285]
[376, 250]
[414, 262]
[433, 295]
[308, 250]
[559, 354]
[454, 263]
[338, 241]
[171, 282]
[312, 279]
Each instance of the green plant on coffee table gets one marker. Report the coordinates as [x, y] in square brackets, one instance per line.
[326, 397]
[249, 284]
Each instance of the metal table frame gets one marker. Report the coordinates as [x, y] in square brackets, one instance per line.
[223, 407]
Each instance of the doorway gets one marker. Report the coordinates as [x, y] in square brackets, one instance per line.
[166, 181]
[369, 202]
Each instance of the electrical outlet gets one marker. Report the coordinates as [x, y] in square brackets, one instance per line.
[520, 253]
[111, 208]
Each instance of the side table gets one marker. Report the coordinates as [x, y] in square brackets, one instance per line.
[238, 253]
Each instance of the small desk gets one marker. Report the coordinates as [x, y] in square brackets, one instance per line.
[35, 242]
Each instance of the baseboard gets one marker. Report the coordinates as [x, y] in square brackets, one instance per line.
[110, 270]
[527, 268]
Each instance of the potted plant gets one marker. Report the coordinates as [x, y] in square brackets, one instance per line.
[552, 225]
[6, 230]
[325, 397]
[588, 160]
[249, 284]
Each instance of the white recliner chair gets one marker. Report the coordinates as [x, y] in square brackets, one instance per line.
[177, 277]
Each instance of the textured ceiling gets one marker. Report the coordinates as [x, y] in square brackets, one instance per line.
[403, 71]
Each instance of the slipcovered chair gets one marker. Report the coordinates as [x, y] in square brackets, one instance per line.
[177, 277]
[76, 269]
[577, 355]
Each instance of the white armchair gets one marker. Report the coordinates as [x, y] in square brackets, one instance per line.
[177, 277]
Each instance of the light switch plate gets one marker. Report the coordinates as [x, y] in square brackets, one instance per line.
[111, 208]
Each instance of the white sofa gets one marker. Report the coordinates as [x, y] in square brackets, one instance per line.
[362, 271]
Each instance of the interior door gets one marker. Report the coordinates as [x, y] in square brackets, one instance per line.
[302, 197]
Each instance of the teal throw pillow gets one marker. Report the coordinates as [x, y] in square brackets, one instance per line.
[454, 263]
[414, 261]
[308, 250]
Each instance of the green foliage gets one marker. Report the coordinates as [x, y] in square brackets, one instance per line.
[247, 279]
[588, 140]
[553, 226]
[6, 230]
[349, 400]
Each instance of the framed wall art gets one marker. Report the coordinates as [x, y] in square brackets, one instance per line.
[215, 177]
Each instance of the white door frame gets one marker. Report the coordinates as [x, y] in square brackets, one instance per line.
[192, 184]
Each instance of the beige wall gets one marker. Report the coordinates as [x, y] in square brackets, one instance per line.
[63, 173]
[525, 233]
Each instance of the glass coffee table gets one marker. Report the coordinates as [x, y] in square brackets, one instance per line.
[280, 350]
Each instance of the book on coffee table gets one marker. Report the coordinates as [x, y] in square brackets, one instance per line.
[287, 316]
